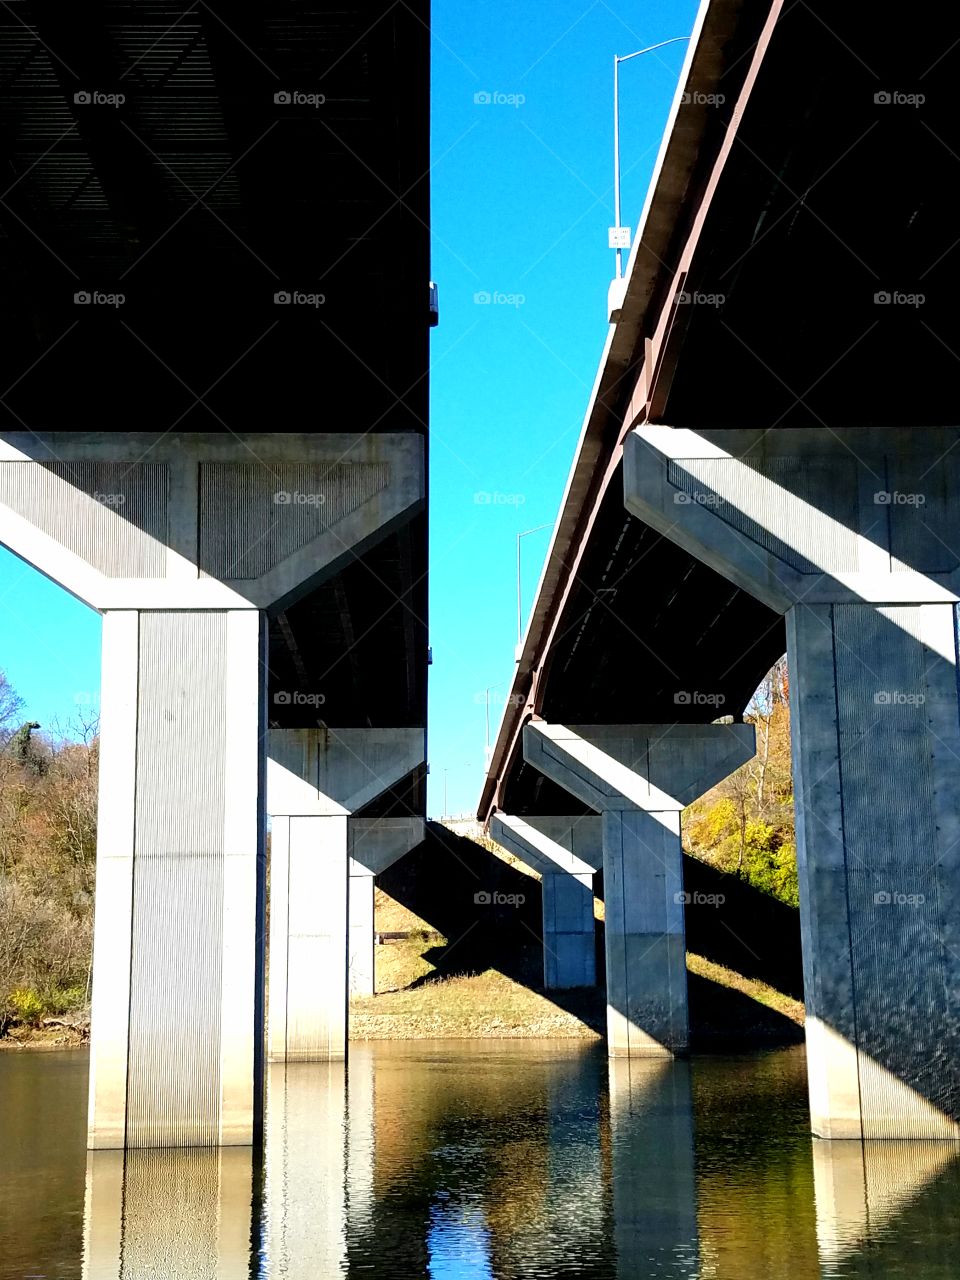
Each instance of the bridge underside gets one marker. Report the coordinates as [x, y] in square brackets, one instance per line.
[792, 281]
[214, 258]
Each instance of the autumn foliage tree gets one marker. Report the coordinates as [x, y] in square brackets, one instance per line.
[745, 824]
[48, 806]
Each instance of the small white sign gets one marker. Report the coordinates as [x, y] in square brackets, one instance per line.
[619, 237]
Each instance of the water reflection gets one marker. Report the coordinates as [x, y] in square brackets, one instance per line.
[498, 1161]
[168, 1214]
[879, 1201]
[654, 1188]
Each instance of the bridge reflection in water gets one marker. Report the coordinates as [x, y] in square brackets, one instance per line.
[527, 1160]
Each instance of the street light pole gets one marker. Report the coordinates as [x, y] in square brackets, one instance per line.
[525, 532]
[616, 135]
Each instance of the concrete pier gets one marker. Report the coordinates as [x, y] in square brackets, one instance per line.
[856, 538]
[185, 542]
[322, 869]
[640, 777]
[566, 852]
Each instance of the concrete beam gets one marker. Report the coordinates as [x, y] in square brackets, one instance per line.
[856, 537]
[321, 886]
[201, 520]
[569, 947]
[640, 777]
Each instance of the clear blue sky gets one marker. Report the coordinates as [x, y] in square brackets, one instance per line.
[522, 199]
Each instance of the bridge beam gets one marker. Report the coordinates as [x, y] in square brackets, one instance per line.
[855, 536]
[566, 852]
[639, 778]
[316, 779]
[184, 542]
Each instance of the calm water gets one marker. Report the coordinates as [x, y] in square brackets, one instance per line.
[460, 1161]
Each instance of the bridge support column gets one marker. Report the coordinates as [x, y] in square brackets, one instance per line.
[640, 777]
[855, 537]
[316, 779]
[566, 852]
[375, 844]
[184, 543]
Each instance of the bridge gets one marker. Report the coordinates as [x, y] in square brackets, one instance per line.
[768, 464]
[214, 269]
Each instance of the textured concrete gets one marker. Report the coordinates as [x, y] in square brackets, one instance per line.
[569, 930]
[323, 864]
[856, 537]
[182, 541]
[639, 777]
[652, 1167]
[201, 520]
[175, 973]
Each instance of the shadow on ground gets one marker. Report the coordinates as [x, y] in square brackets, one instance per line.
[490, 912]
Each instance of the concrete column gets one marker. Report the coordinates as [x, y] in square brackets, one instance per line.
[321, 881]
[566, 852]
[168, 1213]
[855, 537]
[183, 543]
[308, 938]
[178, 860]
[652, 1168]
[375, 844]
[640, 777]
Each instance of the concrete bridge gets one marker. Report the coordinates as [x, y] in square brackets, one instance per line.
[215, 321]
[769, 462]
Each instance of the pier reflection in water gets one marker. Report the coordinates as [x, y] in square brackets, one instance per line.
[500, 1160]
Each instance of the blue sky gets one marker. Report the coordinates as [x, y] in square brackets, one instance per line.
[522, 199]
